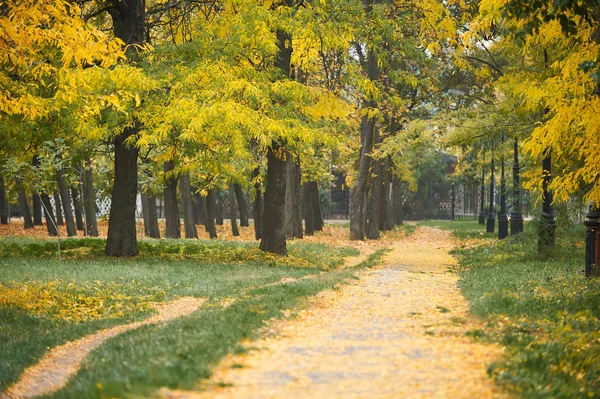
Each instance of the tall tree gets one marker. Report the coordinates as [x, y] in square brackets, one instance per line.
[186, 203]
[171, 205]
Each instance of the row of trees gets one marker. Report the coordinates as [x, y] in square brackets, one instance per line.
[267, 96]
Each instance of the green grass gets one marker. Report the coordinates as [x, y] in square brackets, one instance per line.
[541, 308]
[177, 354]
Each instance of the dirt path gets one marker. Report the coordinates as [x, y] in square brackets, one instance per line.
[54, 370]
[397, 332]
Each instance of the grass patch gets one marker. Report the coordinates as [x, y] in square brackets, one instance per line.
[45, 303]
[541, 308]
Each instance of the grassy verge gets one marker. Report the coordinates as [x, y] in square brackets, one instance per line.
[44, 303]
[542, 309]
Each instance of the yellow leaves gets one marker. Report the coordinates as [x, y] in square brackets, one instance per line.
[91, 301]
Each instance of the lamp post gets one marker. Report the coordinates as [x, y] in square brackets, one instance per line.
[491, 218]
[592, 239]
[516, 219]
[502, 217]
[481, 202]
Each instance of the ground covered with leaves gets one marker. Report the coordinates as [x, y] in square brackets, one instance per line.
[45, 303]
[541, 308]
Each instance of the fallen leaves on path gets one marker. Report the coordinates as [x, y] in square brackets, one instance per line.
[399, 331]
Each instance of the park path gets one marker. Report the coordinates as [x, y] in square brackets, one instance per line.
[397, 332]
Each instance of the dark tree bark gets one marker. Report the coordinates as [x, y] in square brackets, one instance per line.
[145, 216]
[198, 207]
[24, 205]
[309, 229]
[49, 215]
[232, 215]
[358, 196]
[219, 207]
[316, 206]
[375, 211]
[78, 211]
[186, 203]
[386, 221]
[89, 200]
[171, 206]
[37, 201]
[257, 206]
[122, 237]
[398, 209]
[242, 206]
[66, 202]
[153, 229]
[273, 232]
[210, 205]
[58, 206]
[293, 216]
[3, 202]
[128, 25]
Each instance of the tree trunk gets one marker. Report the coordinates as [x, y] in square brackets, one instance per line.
[58, 206]
[374, 214]
[66, 202]
[153, 229]
[128, 18]
[198, 207]
[210, 214]
[171, 207]
[316, 206]
[242, 206]
[37, 201]
[273, 232]
[77, 206]
[308, 211]
[397, 203]
[257, 206]
[293, 218]
[24, 205]
[3, 202]
[385, 203]
[232, 215]
[122, 236]
[49, 215]
[89, 200]
[186, 202]
[358, 195]
[219, 207]
[145, 215]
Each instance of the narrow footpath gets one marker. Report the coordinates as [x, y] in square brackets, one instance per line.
[399, 331]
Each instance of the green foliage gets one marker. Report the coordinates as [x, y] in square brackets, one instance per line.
[544, 311]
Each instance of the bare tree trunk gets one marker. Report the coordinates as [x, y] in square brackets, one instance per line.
[78, 211]
[210, 214]
[198, 207]
[273, 234]
[49, 215]
[154, 231]
[89, 200]
[37, 201]
[397, 202]
[308, 211]
[24, 205]
[232, 215]
[257, 206]
[171, 207]
[374, 214]
[144, 197]
[66, 202]
[122, 235]
[219, 207]
[186, 202]
[242, 206]
[316, 206]
[58, 206]
[293, 218]
[3, 202]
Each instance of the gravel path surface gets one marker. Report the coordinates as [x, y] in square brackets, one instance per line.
[397, 332]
